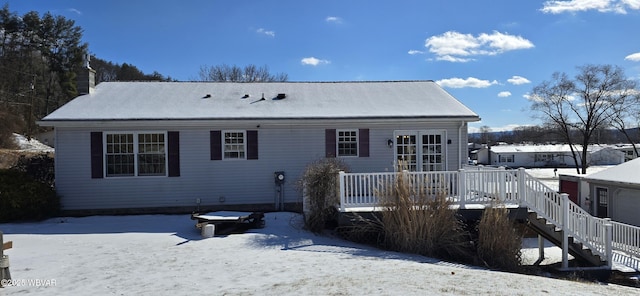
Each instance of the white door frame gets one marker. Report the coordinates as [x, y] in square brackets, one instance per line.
[421, 149]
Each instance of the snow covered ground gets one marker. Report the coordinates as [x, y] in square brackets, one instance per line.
[31, 145]
[165, 255]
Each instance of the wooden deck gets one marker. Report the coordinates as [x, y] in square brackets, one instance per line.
[471, 192]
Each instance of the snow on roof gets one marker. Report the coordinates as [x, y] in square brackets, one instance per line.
[545, 148]
[534, 148]
[623, 173]
[229, 100]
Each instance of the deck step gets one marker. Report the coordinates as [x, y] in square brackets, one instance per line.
[554, 235]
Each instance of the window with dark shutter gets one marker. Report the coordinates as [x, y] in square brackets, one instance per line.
[97, 164]
[173, 152]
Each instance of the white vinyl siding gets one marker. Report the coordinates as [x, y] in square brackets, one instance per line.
[286, 148]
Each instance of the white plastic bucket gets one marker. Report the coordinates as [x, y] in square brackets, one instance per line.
[208, 230]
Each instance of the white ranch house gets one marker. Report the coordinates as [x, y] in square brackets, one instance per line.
[547, 155]
[177, 146]
[184, 146]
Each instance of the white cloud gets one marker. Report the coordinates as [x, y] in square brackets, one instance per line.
[312, 61]
[266, 32]
[448, 58]
[78, 12]
[572, 6]
[453, 46]
[469, 82]
[517, 80]
[414, 52]
[504, 94]
[633, 57]
[333, 19]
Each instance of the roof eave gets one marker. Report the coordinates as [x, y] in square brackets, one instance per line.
[85, 122]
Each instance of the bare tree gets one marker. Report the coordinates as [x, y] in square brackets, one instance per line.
[486, 134]
[250, 73]
[626, 115]
[580, 106]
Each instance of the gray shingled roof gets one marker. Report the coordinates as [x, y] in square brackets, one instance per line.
[623, 173]
[322, 100]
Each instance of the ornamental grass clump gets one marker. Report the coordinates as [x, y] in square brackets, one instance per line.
[420, 220]
[319, 186]
[499, 243]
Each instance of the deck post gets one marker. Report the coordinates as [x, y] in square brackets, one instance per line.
[522, 191]
[462, 190]
[502, 183]
[342, 193]
[564, 200]
[4, 260]
[540, 249]
[608, 237]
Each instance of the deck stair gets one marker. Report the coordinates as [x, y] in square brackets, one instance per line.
[554, 235]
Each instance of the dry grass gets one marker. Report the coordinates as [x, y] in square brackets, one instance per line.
[416, 222]
[499, 243]
[9, 157]
[319, 185]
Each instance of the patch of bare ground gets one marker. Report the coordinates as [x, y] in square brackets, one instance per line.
[9, 157]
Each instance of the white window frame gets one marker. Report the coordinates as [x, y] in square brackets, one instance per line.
[224, 145]
[603, 199]
[420, 145]
[136, 154]
[338, 142]
[503, 158]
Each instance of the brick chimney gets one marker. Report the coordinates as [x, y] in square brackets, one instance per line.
[86, 79]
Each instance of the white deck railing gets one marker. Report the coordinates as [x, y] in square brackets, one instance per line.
[484, 187]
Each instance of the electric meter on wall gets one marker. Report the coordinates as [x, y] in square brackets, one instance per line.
[279, 177]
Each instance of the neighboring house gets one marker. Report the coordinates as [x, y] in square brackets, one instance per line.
[175, 146]
[47, 138]
[628, 150]
[615, 192]
[546, 155]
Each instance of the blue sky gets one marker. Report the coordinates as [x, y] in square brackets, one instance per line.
[488, 54]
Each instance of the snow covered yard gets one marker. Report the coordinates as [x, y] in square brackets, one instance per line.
[165, 255]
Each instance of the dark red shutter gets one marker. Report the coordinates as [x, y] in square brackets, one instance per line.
[252, 144]
[363, 142]
[330, 142]
[97, 163]
[173, 152]
[216, 145]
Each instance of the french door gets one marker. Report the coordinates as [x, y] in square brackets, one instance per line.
[420, 151]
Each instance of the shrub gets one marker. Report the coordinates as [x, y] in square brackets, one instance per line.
[499, 243]
[319, 184]
[39, 167]
[417, 222]
[23, 198]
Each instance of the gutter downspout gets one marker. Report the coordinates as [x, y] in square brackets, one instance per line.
[461, 147]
